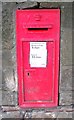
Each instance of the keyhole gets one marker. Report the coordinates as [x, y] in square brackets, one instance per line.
[28, 73]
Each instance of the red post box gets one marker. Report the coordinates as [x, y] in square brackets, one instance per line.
[38, 43]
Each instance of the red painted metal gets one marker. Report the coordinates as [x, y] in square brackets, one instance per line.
[38, 86]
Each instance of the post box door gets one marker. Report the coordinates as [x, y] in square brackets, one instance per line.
[38, 78]
[38, 33]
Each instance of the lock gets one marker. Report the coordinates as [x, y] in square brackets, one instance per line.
[38, 50]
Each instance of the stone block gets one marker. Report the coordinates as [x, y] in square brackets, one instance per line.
[7, 26]
[0, 97]
[0, 115]
[51, 4]
[73, 96]
[9, 98]
[66, 78]
[65, 115]
[66, 34]
[8, 79]
[66, 47]
[73, 51]
[66, 15]
[43, 114]
[0, 58]
[13, 0]
[72, 71]
[40, 0]
[23, 5]
[6, 58]
[0, 79]
[0, 22]
[65, 98]
[52, 0]
[14, 115]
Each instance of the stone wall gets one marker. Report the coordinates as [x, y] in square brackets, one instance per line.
[9, 84]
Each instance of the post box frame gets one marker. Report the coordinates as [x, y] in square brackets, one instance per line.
[19, 49]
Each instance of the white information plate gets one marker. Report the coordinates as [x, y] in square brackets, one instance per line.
[38, 54]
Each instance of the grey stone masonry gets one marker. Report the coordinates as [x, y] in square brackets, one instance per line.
[9, 83]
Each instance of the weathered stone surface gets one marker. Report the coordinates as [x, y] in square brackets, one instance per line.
[6, 58]
[13, 0]
[52, 0]
[0, 78]
[56, 115]
[9, 81]
[73, 115]
[27, 4]
[65, 98]
[0, 115]
[10, 108]
[66, 79]
[0, 27]
[7, 26]
[73, 96]
[14, 114]
[37, 0]
[43, 114]
[66, 34]
[59, 112]
[0, 58]
[0, 97]
[51, 4]
[73, 51]
[66, 47]
[66, 13]
[72, 71]
[9, 98]
[64, 115]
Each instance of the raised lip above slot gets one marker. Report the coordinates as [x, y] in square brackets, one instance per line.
[49, 26]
